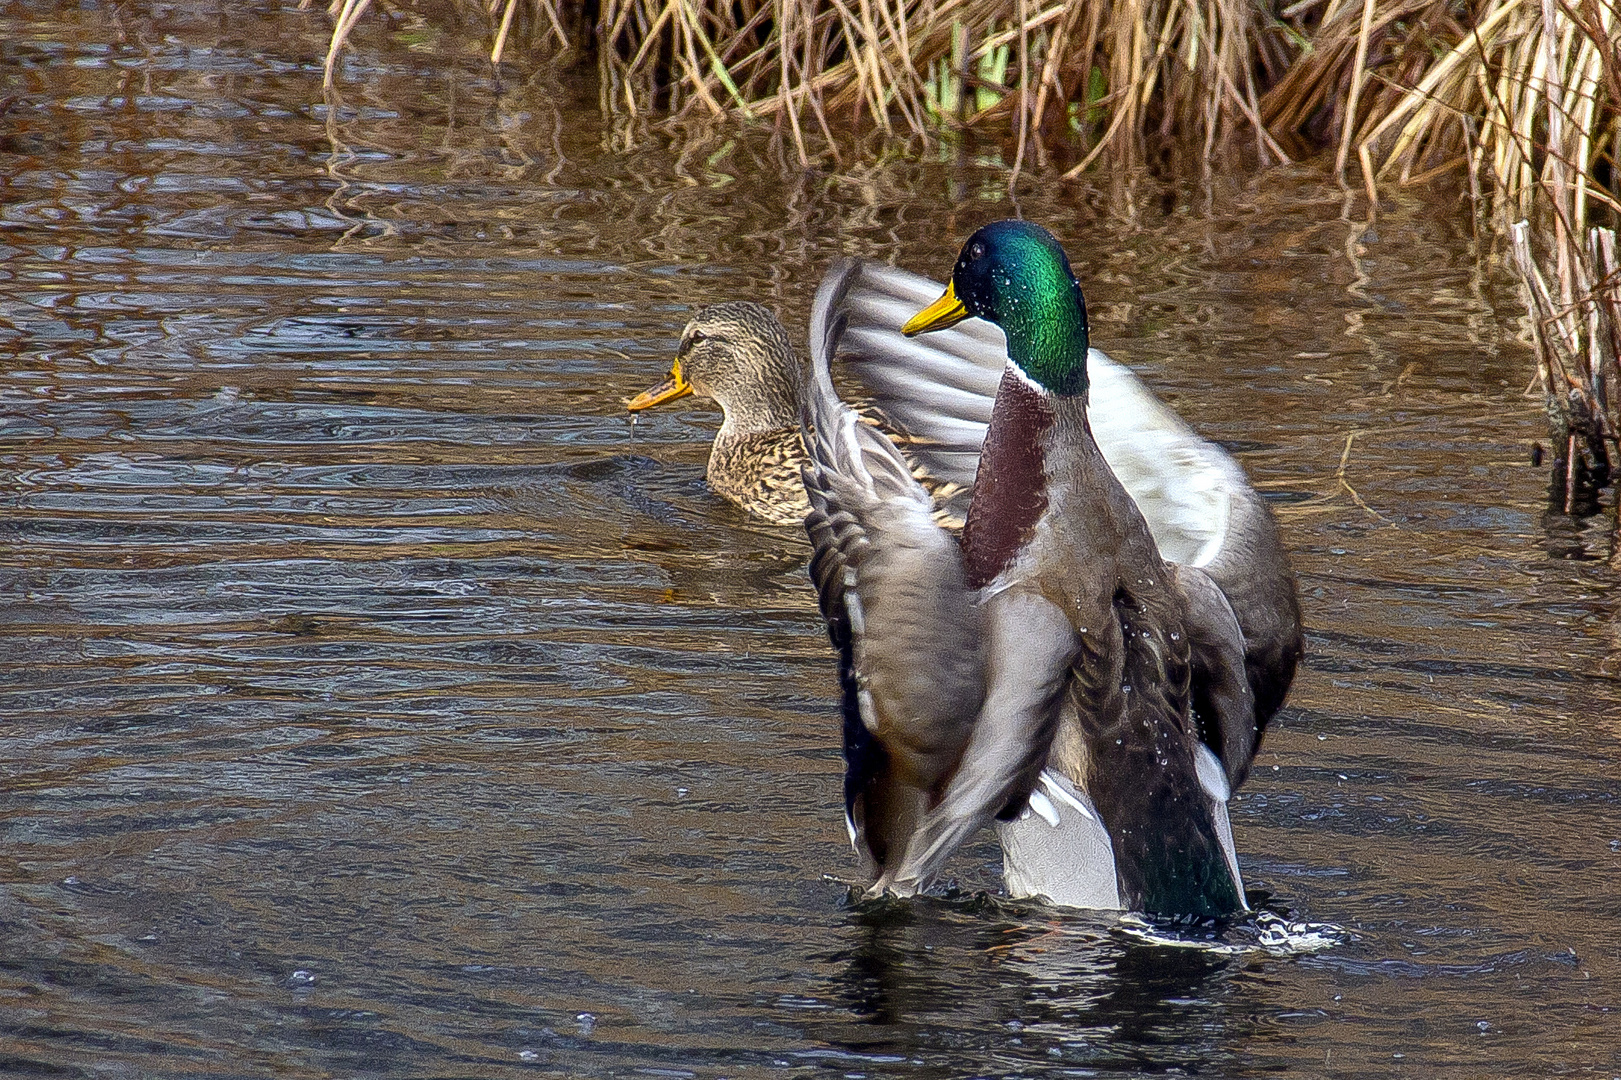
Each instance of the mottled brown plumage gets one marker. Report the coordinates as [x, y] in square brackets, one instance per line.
[760, 473]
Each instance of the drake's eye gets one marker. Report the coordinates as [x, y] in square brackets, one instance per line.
[976, 250]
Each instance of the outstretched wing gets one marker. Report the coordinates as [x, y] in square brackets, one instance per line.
[898, 608]
[936, 393]
[1223, 704]
[1029, 648]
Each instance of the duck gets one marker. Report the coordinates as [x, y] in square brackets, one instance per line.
[738, 354]
[1074, 669]
[935, 395]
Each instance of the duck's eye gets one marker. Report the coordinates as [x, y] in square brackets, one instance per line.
[976, 250]
[697, 336]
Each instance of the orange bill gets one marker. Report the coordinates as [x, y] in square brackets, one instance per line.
[668, 390]
[944, 312]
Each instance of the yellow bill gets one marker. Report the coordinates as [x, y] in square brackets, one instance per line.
[944, 312]
[668, 390]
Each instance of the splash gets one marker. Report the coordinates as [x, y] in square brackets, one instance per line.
[1262, 931]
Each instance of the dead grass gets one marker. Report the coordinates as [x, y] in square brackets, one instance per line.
[1528, 97]
[1525, 96]
[1408, 86]
[1069, 80]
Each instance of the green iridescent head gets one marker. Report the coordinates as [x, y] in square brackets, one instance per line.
[1016, 275]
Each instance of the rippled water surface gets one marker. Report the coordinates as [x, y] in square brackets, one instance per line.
[378, 701]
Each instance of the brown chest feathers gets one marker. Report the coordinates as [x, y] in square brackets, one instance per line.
[760, 473]
[1010, 490]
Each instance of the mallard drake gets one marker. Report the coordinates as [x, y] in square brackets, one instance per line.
[1066, 671]
[738, 354]
[936, 394]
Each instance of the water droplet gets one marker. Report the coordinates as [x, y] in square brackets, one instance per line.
[528, 1055]
[587, 1022]
[301, 977]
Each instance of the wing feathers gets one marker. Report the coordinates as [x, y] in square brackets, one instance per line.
[892, 588]
[1030, 646]
[951, 699]
[937, 391]
[1223, 703]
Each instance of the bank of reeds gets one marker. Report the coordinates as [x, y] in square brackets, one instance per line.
[1523, 96]
[1080, 78]
[1410, 86]
[1557, 183]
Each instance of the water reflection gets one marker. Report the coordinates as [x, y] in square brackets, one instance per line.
[1036, 990]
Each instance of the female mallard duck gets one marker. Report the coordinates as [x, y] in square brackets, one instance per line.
[1053, 671]
[738, 354]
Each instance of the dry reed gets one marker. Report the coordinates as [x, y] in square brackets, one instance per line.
[1410, 86]
[1528, 94]
[1080, 77]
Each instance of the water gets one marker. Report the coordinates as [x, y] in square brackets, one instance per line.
[379, 701]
